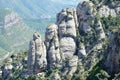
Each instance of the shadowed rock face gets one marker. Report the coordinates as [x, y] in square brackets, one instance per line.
[112, 62]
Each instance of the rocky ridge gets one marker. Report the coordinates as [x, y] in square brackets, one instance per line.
[78, 36]
[80, 45]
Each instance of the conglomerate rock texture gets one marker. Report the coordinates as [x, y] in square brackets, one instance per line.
[78, 38]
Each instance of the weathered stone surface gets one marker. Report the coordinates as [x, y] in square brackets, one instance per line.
[42, 74]
[77, 37]
[67, 47]
[70, 66]
[84, 13]
[92, 34]
[37, 55]
[51, 32]
[118, 10]
[99, 30]
[31, 57]
[67, 23]
[56, 76]
[82, 51]
[105, 11]
[73, 65]
[85, 8]
[52, 43]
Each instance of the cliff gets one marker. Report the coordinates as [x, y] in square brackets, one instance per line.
[79, 37]
[83, 44]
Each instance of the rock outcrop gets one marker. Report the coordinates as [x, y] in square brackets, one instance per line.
[70, 66]
[52, 44]
[77, 37]
[37, 55]
[67, 23]
[67, 47]
[91, 34]
[105, 11]
[63, 48]
[76, 46]
[60, 41]
[112, 59]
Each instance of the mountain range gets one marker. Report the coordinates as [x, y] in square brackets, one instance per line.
[36, 9]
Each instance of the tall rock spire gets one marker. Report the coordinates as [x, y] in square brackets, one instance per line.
[37, 55]
[52, 44]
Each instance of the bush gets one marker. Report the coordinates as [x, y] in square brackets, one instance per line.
[103, 75]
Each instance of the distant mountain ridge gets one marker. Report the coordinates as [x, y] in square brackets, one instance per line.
[14, 33]
[37, 9]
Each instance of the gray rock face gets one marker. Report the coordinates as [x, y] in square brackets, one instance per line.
[67, 47]
[82, 51]
[60, 39]
[31, 57]
[67, 22]
[56, 76]
[70, 66]
[52, 43]
[37, 55]
[73, 65]
[84, 13]
[91, 30]
[99, 30]
[59, 51]
[113, 54]
[77, 37]
[105, 11]
[51, 32]
[85, 16]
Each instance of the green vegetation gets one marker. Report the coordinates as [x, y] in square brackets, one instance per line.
[103, 75]
[98, 72]
[111, 23]
[19, 65]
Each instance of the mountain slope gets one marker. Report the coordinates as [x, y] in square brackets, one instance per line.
[83, 44]
[37, 8]
[14, 33]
